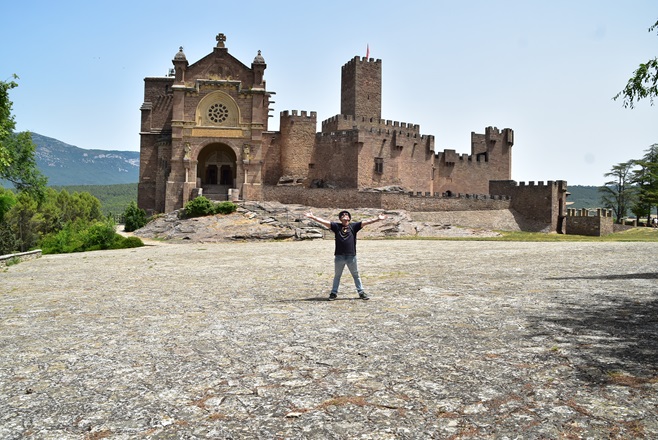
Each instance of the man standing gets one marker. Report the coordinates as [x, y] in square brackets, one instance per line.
[345, 252]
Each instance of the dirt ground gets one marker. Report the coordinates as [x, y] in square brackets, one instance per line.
[463, 340]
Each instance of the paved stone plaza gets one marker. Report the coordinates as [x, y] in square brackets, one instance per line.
[463, 340]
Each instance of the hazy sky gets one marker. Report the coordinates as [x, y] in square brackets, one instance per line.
[547, 69]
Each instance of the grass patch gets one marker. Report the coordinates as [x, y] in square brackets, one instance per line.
[12, 261]
[642, 234]
[635, 235]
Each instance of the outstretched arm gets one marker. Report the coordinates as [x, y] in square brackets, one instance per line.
[323, 222]
[373, 220]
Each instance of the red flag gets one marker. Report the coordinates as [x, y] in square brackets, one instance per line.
[367, 51]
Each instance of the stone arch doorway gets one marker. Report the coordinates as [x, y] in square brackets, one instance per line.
[217, 170]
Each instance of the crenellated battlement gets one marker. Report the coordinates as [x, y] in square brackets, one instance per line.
[493, 134]
[349, 121]
[293, 114]
[337, 133]
[448, 195]
[586, 212]
[539, 184]
[451, 156]
[585, 221]
[378, 132]
[361, 60]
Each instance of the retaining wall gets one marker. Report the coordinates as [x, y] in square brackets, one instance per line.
[22, 256]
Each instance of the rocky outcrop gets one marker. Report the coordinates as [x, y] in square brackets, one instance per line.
[276, 221]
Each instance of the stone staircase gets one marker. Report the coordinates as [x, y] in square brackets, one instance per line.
[218, 193]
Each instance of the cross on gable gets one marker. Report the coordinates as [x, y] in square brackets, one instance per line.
[221, 38]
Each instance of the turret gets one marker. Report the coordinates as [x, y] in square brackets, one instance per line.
[180, 65]
[297, 142]
[258, 67]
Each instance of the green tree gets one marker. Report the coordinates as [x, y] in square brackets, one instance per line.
[7, 200]
[7, 123]
[31, 219]
[17, 162]
[618, 194]
[21, 220]
[79, 205]
[8, 242]
[134, 217]
[643, 84]
[646, 179]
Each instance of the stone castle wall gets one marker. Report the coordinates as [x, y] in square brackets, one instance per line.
[542, 202]
[579, 222]
[335, 160]
[490, 156]
[352, 198]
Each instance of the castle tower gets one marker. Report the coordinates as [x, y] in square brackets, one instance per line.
[361, 88]
[297, 142]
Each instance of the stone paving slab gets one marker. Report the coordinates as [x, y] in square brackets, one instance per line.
[461, 340]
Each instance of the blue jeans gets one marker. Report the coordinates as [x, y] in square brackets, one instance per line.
[340, 261]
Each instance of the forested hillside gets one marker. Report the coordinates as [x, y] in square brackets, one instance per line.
[113, 198]
[584, 196]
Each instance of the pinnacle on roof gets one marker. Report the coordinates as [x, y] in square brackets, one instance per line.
[180, 56]
[259, 59]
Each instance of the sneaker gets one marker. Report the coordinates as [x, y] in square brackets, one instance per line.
[332, 296]
[363, 296]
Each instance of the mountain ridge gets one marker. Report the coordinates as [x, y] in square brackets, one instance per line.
[66, 164]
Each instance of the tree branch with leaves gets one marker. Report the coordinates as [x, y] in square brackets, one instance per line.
[643, 84]
[17, 151]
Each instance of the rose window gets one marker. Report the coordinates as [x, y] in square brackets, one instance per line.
[218, 113]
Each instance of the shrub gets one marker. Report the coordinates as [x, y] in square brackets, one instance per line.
[100, 235]
[68, 239]
[134, 217]
[199, 207]
[80, 236]
[127, 242]
[202, 206]
[225, 208]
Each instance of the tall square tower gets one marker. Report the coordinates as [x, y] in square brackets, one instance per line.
[361, 88]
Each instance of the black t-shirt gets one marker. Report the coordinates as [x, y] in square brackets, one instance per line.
[345, 237]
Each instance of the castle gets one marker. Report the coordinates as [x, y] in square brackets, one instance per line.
[204, 130]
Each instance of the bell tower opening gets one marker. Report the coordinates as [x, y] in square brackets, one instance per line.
[217, 170]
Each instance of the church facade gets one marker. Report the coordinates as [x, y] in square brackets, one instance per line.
[204, 130]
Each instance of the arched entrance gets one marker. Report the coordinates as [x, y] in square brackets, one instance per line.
[217, 170]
